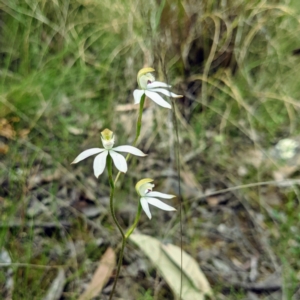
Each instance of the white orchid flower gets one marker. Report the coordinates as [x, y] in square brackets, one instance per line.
[144, 189]
[107, 138]
[151, 88]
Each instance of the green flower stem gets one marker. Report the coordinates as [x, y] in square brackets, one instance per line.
[112, 192]
[138, 130]
[112, 186]
[139, 121]
[136, 220]
[124, 240]
[112, 210]
[118, 267]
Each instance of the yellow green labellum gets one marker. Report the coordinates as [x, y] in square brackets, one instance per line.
[107, 134]
[142, 182]
[143, 72]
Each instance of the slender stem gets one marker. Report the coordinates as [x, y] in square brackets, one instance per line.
[112, 186]
[138, 130]
[177, 147]
[112, 210]
[139, 121]
[136, 220]
[118, 267]
[177, 155]
[124, 240]
[112, 192]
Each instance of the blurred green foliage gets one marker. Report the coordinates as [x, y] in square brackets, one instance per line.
[68, 64]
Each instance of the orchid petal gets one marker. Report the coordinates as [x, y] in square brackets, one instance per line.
[129, 149]
[137, 95]
[145, 207]
[166, 92]
[100, 163]
[83, 155]
[156, 84]
[159, 204]
[161, 195]
[119, 161]
[157, 99]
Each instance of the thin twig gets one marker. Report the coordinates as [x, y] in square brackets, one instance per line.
[24, 265]
[35, 224]
[285, 182]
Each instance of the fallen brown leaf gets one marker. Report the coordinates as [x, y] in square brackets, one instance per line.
[74, 130]
[6, 129]
[23, 133]
[101, 275]
[57, 286]
[3, 148]
[36, 179]
[126, 107]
